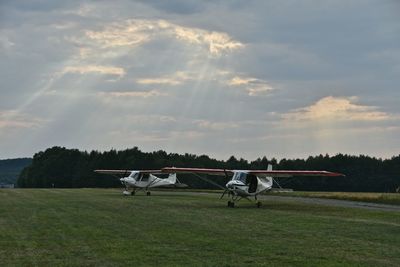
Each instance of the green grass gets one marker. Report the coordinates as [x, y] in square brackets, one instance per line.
[382, 198]
[96, 227]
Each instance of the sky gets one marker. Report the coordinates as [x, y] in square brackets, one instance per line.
[253, 78]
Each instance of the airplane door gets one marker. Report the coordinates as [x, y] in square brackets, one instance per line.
[252, 181]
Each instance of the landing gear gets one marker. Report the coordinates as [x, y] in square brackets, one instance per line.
[132, 193]
[231, 203]
[148, 193]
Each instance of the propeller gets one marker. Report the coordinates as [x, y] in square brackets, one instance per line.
[124, 184]
[226, 190]
[223, 194]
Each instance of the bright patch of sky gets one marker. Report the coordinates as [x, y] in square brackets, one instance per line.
[244, 78]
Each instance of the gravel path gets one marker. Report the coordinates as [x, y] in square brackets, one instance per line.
[317, 201]
[335, 202]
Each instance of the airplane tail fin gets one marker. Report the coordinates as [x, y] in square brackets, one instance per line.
[270, 179]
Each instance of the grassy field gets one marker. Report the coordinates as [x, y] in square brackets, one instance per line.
[96, 227]
[382, 198]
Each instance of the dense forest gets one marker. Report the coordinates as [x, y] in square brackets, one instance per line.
[61, 167]
[11, 168]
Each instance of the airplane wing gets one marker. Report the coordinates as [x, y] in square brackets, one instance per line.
[125, 172]
[267, 173]
[289, 173]
[222, 172]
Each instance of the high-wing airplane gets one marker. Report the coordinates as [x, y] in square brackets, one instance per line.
[247, 183]
[142, 180]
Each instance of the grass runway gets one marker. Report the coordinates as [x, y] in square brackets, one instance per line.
[100, 227]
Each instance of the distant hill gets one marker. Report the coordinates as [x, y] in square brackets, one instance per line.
[11, 168]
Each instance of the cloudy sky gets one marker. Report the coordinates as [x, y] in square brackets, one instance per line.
[244, 78]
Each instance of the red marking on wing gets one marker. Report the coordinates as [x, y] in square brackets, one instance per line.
[197, 170]
[127, 171]
[287, 173]
[277, 173]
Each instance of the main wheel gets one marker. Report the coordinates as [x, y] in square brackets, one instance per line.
[133, 193]
[148, 193]
[258, 204]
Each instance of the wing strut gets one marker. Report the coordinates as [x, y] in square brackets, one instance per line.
[209, 181]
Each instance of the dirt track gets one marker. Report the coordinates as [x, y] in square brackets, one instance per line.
[335, 202]
[317, 201]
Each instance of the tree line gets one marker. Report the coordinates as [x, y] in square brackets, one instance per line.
[70, 168]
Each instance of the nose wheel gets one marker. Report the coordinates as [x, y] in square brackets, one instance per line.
[148, 193]
[231, 204]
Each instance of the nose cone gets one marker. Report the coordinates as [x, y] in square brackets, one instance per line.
[229, 185]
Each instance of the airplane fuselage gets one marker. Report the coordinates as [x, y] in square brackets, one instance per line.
[244, 184]
[137, 180]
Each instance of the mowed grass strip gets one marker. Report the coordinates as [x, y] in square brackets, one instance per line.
[100, 227]
[381, 198]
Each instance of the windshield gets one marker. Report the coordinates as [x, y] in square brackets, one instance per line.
[134, 175]
[240, 176]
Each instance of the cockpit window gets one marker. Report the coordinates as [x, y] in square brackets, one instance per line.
[134, 175]
[240, 176]
[144, 177]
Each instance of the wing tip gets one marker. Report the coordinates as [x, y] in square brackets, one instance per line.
[336, 174]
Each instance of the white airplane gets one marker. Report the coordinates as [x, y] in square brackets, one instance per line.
[142, 180]
[247, 183]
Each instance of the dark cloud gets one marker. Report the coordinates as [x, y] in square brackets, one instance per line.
[36, 5]
[184, 7]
